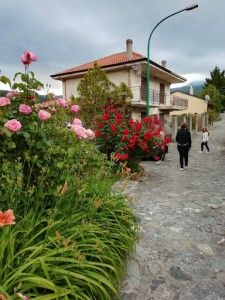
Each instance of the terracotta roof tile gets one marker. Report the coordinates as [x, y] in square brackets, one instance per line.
[104, 62]
[46, 103]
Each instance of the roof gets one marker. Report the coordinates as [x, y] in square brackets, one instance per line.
[46, 103]
[114, 59]
[187, 94]
[118, 60]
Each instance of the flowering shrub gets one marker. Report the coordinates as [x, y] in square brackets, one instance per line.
[38, 138]
[69, 225]
[129, 140]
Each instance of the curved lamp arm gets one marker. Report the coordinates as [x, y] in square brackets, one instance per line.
[193, 6]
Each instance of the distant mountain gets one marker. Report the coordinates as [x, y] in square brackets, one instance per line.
[196, 85]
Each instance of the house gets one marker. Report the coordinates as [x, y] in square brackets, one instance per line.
[130, 67]
[196, 105]
[195, 115]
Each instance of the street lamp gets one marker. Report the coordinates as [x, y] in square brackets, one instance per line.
[193, 6]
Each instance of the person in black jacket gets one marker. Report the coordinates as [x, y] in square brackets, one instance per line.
[183, 139]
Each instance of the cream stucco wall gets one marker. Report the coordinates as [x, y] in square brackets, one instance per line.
[128, 76]
[132, 80]
[195, 105]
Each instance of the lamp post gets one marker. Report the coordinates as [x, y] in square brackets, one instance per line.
[193, 6]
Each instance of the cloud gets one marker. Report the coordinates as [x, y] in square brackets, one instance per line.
[65, 34]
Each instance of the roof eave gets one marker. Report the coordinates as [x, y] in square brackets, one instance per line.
[70, 74]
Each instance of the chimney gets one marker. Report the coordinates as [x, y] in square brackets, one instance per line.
[129, 43]
[191, 90]
[164, 63]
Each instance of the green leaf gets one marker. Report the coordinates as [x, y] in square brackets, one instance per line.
[18, 73]
[71, 151]
[24, 77]
[26, 135]
[5, 80]
[60, 165]
[11, 145]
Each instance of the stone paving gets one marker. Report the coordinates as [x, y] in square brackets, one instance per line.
[181, 250]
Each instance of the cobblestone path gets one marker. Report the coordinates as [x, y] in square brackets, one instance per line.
[181, 251]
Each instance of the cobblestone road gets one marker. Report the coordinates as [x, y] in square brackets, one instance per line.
[181, 252]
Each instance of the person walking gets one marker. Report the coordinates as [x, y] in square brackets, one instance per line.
[205, 139]
[183, 139]
[164, 148]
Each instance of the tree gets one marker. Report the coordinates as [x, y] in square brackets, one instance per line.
[217, 79]
[216, 98]
[215, 88]
[96, 91]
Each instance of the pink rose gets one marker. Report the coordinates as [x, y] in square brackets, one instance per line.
[4, 101]
[80, 131]
[62, 102]
[77, 122]
[39, 88]
[44, 115]
[13, 125]
[25, 109]
[90, 134]
[75, 108]
[28, 57]
[12, 94]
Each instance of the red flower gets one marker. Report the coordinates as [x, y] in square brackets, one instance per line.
[126, 131]
[121, 157]
[105, 117]
[148, 136]
[98, 133]
[113, 128]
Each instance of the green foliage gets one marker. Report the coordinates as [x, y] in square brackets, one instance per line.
[96, 91]
[72, 233]
[216, 98]
[217, 79]
[213, 116]
[215, 88]
[74, 251]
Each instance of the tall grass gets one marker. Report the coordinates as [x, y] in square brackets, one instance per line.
[75, 250]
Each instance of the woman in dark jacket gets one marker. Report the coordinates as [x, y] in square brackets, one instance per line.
[183, 139]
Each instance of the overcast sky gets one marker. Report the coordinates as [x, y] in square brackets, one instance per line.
[67, 33]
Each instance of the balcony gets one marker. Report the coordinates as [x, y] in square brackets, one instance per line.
[157, 99]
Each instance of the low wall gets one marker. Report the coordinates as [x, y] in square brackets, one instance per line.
[195, 123]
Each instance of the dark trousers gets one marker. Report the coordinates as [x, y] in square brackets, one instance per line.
[183, 151]
[163, 154]
[204, 144]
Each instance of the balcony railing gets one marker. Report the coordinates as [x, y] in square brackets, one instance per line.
[178, 102]
[158, 99]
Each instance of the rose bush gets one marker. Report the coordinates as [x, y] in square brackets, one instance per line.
[50, 152]
[129, 140]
